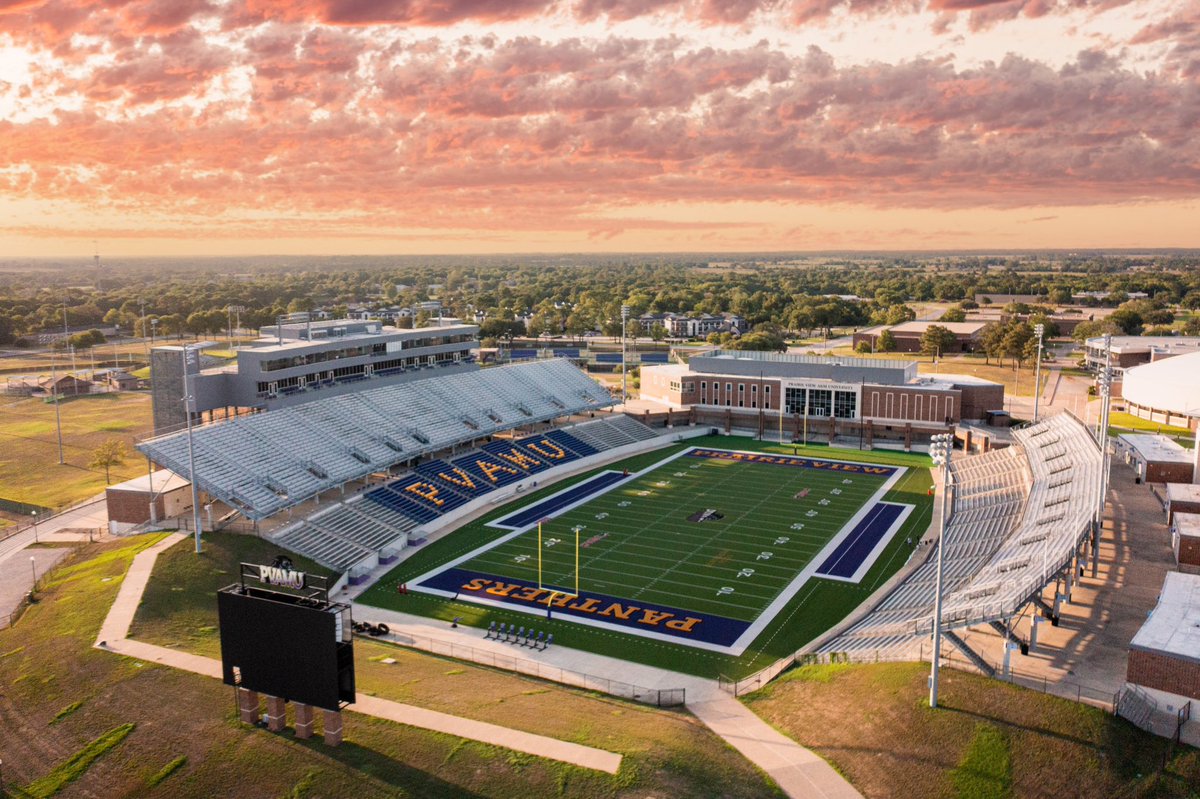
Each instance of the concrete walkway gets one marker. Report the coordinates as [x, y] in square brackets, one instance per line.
[798, 771]
[112, 638]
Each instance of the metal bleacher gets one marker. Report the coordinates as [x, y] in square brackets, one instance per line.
[1018, 516]
[263, 463]
[382, 517]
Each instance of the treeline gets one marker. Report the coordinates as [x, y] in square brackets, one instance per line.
[569, 295]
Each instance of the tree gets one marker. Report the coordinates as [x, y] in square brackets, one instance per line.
[1016, 337]
[505, 329]
[657, 331]
[110, 453]
[1129, 320]
[954, 313]
[886, 342]
[936, 340]
[1085, 330]
[991, 340]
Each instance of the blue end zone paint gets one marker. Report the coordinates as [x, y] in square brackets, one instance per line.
[793, 461]
[598, 608]
[849, 555]
[550, 506]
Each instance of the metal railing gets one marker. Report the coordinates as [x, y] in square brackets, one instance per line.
[5, 535]
[1042, 683]
[659, 697]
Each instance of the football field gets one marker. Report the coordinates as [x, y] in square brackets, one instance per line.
[703, 548]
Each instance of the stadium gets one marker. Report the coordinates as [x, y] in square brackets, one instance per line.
[519, 495]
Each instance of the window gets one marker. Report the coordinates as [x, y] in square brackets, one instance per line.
[729, 393]
[845, 404]
[820, 402]
[794, 400]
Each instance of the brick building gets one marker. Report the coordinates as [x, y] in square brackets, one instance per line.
[1164, 655]
[1156, 458]
[837, 396]
[129, 502]
[1185, 541]
[908, 335]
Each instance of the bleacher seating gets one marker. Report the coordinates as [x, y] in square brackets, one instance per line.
[379, 517]
[1017, 517]
[263, 463]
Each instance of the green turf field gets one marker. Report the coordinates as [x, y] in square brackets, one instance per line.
[645, 551]
[774, 521]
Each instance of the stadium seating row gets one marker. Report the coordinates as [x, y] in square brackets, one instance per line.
[1018, 515]
[437, 487]
[381, 518]
[262, 463]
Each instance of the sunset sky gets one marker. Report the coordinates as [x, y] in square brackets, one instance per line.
[192, 127]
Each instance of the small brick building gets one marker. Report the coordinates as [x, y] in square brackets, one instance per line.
[129, 502]
[1164, 655]
[1185, 540]
[1156, 458]
[1182, 498]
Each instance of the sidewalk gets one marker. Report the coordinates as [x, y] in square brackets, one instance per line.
[798, 771]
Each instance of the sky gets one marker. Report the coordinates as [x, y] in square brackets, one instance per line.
[251, 127]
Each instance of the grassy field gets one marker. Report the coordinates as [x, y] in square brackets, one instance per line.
[29, 467]
[988, 739]
[64, 704]
[816, 606]
[640, 545]
[1126, 422]
[179, 607]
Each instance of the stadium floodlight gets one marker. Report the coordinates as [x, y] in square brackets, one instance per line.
[191, 354]
[941, 448]
[1039, 330]
[624, 367]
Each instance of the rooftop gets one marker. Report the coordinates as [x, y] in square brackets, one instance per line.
[957, 328]
[1183, 492]
[1122, 344]
[1173, 627]
[779, 357]
[1156, 448]
[1187, 524]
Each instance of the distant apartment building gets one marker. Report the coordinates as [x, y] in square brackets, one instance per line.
[680, 325]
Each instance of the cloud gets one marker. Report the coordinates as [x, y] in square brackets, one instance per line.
[356, 125]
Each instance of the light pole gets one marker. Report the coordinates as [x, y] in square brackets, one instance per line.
[941, 447]
[33, 568]
[191, 355]
[35, 536]
[54, 397]
[1037, 380]
[624, 367]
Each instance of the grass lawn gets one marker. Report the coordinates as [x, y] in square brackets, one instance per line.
[29, 467]
[987, 739]
[64, 701]
[179, 606]
[679, 568]
[1126, 422]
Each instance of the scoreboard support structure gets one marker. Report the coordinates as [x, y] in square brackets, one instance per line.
[284, 640]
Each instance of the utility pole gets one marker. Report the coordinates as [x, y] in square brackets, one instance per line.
[54, 396]
[941, 447]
